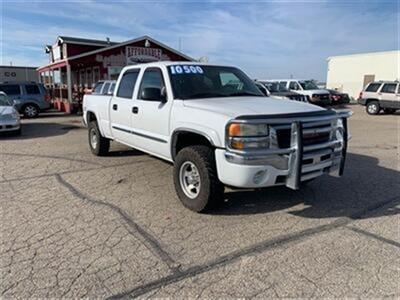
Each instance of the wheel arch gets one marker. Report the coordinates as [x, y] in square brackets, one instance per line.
[184, 137]
[368, 100]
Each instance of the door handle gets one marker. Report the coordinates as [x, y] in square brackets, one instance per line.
[115, 106]
[135, 109]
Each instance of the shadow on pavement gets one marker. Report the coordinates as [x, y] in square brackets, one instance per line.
[40, 130]
[365, 186]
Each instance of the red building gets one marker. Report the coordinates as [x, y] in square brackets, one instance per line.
[76, 62]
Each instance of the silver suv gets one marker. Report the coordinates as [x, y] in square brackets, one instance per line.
[380, 95]
[29, 98]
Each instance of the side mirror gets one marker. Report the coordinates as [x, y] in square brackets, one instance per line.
[154, 94]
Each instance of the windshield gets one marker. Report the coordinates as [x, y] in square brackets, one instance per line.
[275, 87]
[4, 100]
[308, 85]
[194, 82]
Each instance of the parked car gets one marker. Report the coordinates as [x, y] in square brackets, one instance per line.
[216, 133]
[308, 88]
[30, 98]
[104, 87]
[9, 116]
[271, 88]
[380, 95]
[338, 97]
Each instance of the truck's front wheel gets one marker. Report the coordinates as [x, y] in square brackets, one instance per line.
[195, 178]
[98, 144]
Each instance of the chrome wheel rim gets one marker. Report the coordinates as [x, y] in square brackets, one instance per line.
[30, 111]
[189, 178]
[93, 139]
[372, 108]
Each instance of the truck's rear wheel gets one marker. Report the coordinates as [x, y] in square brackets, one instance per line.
[195, 178]
[373, 108]
[98, 144]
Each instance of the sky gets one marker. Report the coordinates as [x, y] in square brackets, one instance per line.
[267, 39]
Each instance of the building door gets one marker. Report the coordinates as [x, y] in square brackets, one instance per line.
[121, 108]
[368, 79]
[150, 121]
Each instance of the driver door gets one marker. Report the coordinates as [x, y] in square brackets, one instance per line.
[150, 118]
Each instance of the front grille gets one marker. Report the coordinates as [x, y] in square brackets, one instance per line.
[284, 136]
[321, 96]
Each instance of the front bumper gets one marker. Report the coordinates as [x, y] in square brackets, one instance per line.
[11, 125]
[289, 166]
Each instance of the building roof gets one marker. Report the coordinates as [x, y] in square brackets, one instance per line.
[362, 54]
[63, 62]
[84, 41]
[145, 37]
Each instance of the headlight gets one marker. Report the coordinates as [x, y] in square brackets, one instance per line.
[249, 130]
[248, 136]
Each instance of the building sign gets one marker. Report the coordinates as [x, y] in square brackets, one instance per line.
[56, 52]
[111, 60]
[142, 54]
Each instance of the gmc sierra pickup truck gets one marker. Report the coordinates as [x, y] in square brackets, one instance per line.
[217, 128]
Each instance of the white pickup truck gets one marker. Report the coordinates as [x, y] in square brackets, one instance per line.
[217, 128]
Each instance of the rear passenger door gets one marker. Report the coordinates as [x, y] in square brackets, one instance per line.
[387, 95]
[121, 107]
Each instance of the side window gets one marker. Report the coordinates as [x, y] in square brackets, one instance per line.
[282, 84]
[127, 84]
[373, 87]
[32, 89]
[293, 85]
[10, 89]
[97, 88]
[152, 78]
[105, 88]
[389, 88]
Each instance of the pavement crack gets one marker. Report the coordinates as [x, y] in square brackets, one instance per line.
[257, 248]
[374, 236]
[149, 240]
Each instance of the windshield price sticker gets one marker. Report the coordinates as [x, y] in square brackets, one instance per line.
[185, 69]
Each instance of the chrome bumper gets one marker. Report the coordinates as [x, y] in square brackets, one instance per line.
[302, 162]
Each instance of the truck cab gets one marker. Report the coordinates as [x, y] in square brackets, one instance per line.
[217, 128]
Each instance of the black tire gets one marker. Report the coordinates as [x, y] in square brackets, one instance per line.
[211, 190]
[373, 108]
[102, 145]
[389, 111]
[30, 110]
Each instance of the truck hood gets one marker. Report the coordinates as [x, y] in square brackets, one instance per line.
[311, 92]
[238, 106]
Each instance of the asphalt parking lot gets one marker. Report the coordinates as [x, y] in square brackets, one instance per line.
[76, 225]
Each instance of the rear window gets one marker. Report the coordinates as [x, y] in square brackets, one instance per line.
[106, 87]
[389, 88]
[112, 87]
[127, 84]
[373, 87]
[32, 89]
[10, 89]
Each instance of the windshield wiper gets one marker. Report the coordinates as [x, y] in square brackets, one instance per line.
[244, 94]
